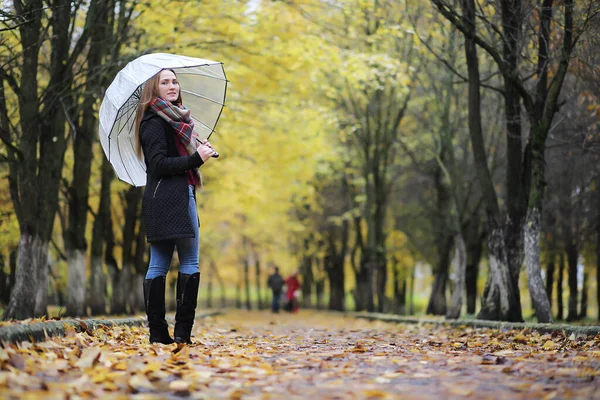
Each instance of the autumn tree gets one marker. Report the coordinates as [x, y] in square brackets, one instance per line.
[40, 136]
[525, 171]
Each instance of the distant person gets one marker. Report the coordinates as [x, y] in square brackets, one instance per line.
[293, 292]
[275, 282]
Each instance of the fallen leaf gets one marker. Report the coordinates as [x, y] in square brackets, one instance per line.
[179, 386]
[139, 382]
[16, 361]
[89, 357]
[550, 345]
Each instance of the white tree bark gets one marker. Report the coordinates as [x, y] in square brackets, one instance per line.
[460, 263]
[97, 295]
[40, 252]
[76, 283]
[30, 295]
[537, 290]
[498, 294]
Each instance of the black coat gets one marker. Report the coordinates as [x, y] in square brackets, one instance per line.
[165, 203]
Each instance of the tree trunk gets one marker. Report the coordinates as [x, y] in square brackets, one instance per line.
[399, 289]
[499, 302]
[501, 296]
[31, 257]
[584, 296]
[411, 296]
[117, 302]
[380, 262]
[82, 147]
[550, 276]
[238, 294]
[135, 298]
[360, 275]
[171, 295]
[460, 262]
[374, 263]
[97, 294]
[320, 292]
[22, 177]
[121, 284]
[213, 268]
[136, 294]
[559, 287]
[437, 300]
[35, 178]
[12, 262]
[76, 282]
[363, 295]
[259, 298]
[306, 270]
[472, 273]
[247, 283]
[333, 264]
[336, 277]
[209, 285]
[533, 228]
[100, 234]
[572, 255]
[125, 281]
[598, 246]
[3, 280]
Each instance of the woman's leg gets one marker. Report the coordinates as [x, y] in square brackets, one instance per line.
[188, 248]
[161, 253]
[154, 290]
[188, 279]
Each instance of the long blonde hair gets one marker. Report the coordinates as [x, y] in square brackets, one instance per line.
[149, 93]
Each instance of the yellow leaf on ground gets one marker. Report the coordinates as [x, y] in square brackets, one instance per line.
[375, 394]
[550, 345]
[89, 357]
[138, 382]
[179, 386]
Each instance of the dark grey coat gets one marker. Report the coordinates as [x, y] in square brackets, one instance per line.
[166, 197]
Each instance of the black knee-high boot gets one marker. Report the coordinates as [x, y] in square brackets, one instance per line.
[187, 296]
[154, 298]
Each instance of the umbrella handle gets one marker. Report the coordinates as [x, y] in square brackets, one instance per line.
[216, 155]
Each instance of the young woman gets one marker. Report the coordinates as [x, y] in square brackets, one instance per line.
[165, 135]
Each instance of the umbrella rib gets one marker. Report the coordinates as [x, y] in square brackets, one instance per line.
[122, 162]
[135, 92]
[202, 97]
[131, 115]
[203, 124]
[209, 74]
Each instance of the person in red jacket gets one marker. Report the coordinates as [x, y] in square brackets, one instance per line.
[293, 291]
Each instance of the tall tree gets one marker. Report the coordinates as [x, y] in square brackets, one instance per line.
[525, 169]
[374, 103]
[43, 101]
[84, 131]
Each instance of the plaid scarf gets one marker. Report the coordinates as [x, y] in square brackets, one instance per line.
[178, 116]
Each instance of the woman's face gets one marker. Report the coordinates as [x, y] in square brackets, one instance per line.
[168, 86]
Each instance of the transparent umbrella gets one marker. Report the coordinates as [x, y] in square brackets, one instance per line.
[203, 89]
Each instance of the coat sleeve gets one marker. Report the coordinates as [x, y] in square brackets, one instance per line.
[154, 144]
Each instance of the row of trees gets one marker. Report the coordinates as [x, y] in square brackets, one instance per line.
[529, 50]
[360, 136]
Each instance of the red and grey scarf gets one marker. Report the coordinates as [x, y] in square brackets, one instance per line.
[178, 116]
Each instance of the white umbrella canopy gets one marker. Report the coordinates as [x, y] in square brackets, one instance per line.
[203, 87]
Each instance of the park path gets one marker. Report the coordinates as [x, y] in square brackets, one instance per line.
[309, 355]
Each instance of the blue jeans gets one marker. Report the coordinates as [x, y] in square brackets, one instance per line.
[161, 252]
[275, 303]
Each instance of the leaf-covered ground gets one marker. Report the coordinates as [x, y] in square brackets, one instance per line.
[257, 355]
